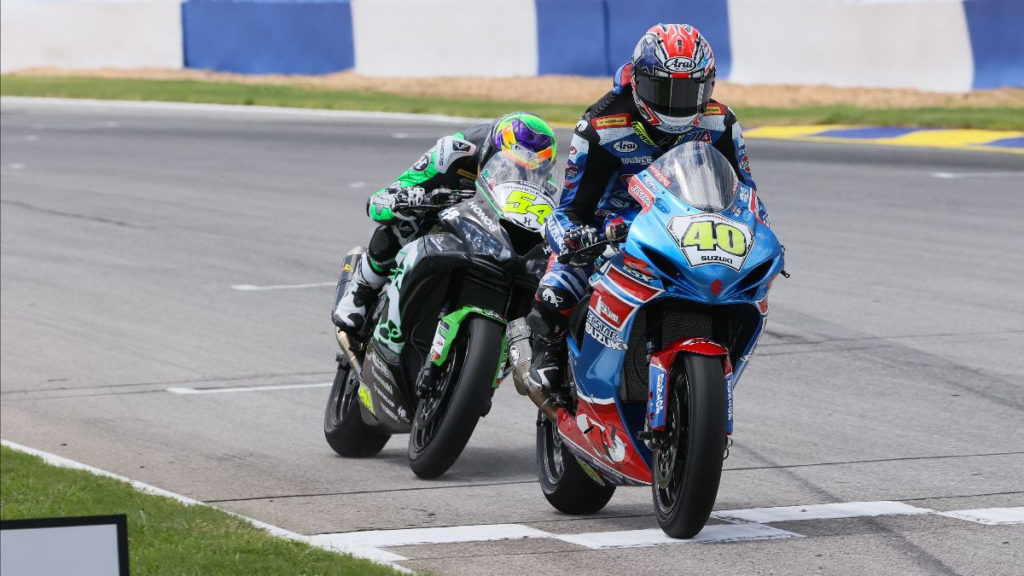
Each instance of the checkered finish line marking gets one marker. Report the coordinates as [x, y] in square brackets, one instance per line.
[743, 525]
[1007, 141]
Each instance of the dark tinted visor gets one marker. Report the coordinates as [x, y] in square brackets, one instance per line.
[673, 96]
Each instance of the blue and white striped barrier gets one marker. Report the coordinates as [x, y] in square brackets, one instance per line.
[941, 45]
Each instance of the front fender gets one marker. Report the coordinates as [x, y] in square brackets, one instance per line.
[662, 362]
[448, 331]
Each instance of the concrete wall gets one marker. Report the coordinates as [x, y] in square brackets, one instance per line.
[942, 45]
[90, 35]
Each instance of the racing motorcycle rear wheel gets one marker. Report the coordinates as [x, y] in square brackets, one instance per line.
[566, 484]
[688, 467]
[344, 428]
[444, 422]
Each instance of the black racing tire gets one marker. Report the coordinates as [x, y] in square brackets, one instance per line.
[565, 483]
[688, 471]
[465, 383]
[344, 428]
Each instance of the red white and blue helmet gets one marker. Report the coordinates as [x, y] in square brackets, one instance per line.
[673, 73]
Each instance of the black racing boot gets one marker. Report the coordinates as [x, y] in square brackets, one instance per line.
[548, 363]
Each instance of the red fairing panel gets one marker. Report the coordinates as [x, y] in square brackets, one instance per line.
[598, 430]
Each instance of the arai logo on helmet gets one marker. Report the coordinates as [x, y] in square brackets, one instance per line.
[680, 64]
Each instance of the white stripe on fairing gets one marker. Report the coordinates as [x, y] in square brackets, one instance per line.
[656, 537]
[53, 459]
[990, 516]
[177, 390]
[252, 288]
[820, 512]
[416, 536]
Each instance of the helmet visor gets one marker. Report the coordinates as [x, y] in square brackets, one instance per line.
[673, 96]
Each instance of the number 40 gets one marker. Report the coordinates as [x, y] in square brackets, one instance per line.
[709, 235]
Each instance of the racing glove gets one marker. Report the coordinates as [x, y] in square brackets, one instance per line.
[387, 203]
[581, 246]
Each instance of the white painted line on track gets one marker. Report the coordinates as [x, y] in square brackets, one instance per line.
[959, 175]
[237, 109]
[180, 390]
[820, 512]
[253, 288]
[990, 516]
[62, 462]
[369, 543]
[656, 537]
[445, 535]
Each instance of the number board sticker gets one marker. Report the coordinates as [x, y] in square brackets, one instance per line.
[525, 205]
[711, 239]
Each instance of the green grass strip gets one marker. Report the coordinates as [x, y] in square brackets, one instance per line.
[307, 97]
[164, 536]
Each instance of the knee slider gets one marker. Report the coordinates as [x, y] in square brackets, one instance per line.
[383, 248]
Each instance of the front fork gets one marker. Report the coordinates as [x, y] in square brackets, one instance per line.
[661, 363]
[448, 327]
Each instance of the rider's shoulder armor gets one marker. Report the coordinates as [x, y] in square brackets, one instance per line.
[717, 117]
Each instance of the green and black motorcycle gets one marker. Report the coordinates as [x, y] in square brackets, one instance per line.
[433, 348]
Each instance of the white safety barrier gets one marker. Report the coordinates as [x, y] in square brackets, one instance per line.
[920, 44]
[487, 38]
[90, 35]
[940, 45]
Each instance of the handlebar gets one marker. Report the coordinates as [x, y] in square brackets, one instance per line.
[614, 233]
[566, 257]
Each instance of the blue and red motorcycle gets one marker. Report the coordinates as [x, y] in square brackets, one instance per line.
[657, 346]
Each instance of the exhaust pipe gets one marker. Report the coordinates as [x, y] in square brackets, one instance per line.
[520, 353]
[346, 348]
[348, 270]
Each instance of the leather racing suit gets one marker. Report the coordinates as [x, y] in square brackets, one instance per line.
[612, 142]
[453, 163]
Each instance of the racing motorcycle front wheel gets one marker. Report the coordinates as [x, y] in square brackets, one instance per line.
[344, 428]
[687, 468]
[444, 422]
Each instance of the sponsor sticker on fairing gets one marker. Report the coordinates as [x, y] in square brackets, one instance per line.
[603, 334]
[660, 176]
[657, 397]
[641, 194]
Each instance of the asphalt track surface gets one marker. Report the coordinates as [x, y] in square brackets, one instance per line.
[891, 370]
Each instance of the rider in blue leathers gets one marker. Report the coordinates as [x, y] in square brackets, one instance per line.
[659, 100]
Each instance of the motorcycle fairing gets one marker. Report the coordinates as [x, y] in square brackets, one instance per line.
[385, 401]
[426, 258]
[597, 433]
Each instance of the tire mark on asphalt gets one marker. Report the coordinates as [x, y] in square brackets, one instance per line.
[385, 491]
[74, 215]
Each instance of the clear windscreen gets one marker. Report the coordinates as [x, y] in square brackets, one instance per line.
[525, 196]
[698, 174]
